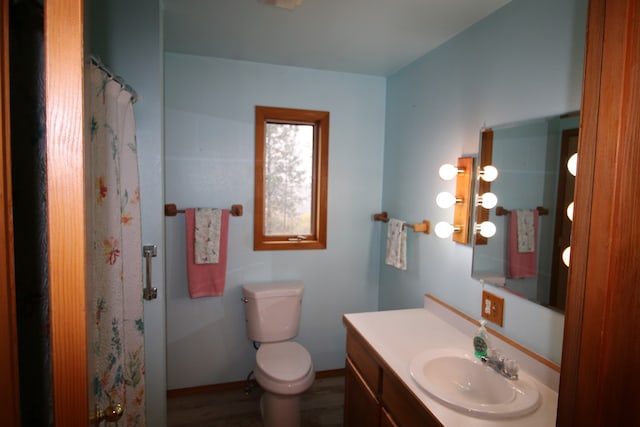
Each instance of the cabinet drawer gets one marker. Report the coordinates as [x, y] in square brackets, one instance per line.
[364, 363]
[406, 409]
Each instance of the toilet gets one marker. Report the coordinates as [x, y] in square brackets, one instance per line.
[283, 368]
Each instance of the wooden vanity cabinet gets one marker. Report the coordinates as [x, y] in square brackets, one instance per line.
[374, 395]
[386, 420]
[362, 387]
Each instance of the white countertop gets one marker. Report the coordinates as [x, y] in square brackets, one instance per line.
[399, 335]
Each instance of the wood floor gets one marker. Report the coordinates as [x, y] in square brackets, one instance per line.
[321, 406]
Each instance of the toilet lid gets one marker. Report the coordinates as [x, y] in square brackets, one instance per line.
[284, 361]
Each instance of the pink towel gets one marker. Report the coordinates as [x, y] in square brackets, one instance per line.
[521, 265]
[206, 280]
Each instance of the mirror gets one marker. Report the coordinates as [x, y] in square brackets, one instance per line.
[533, 184]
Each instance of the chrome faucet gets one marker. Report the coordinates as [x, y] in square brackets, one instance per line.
[506, 367]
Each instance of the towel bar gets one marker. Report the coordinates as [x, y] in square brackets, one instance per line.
[501, 211]
[422, 227]
[170, 209]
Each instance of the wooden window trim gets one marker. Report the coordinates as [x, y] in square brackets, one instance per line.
[318, 238]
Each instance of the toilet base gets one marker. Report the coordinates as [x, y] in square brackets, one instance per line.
[280, 411]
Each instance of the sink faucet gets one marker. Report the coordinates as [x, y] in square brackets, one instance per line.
[506, 367]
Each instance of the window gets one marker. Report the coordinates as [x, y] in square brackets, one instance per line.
[292, 149]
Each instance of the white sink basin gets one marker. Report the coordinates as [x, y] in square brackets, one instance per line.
[464, 383]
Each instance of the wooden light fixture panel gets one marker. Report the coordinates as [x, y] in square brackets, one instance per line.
[462, 210]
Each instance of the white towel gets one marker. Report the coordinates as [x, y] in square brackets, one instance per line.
[526, 231]
[396, 244]
[207, 235]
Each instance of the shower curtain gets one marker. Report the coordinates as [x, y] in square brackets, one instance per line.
[116, 359]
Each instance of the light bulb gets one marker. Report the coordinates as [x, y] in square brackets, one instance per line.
[572, 164]
[447, 171]
[488, 173]
[566, 255]
[446, 200]
[570, 211]
[444, 230]
[486, 229]
[488, 200]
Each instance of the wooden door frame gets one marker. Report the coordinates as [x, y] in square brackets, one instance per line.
[64, 100]
[66, 218]
[9, 373]
[600, 350]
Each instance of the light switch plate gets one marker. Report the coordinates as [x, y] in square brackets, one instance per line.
[492, 307]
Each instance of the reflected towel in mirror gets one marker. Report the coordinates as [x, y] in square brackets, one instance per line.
[521, 264]
[526, 230]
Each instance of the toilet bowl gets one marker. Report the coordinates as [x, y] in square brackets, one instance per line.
[284, 369]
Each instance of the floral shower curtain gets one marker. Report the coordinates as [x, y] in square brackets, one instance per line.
[115, 284]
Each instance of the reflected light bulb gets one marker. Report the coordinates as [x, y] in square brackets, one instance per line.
[489, 173]
[572, 164]
[444, 230]
[488, 200]
[486, 229]
[566, 255]
[570, 211]
[447, 171]
[445, 200]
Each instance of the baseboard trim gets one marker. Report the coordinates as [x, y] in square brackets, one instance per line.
[237, 385]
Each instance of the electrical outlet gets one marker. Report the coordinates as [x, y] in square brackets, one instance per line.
[492, 307]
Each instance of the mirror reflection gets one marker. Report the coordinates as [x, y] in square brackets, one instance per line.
[534, 189]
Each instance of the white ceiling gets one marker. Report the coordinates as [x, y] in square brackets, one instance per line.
[376, 37]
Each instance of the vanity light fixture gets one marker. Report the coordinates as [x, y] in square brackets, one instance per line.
[446, 200]
[487, 200]
[488, 173]
[570, 211]
[572, 164]
[444, 229]
[463, 172]
[485, 160]
[486, 229]
[566, 255]
[448, 171]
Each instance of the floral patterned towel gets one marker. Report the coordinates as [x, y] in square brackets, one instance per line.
[396, 244]
[207, 235]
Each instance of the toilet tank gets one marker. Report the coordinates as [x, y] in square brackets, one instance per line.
[272, 310]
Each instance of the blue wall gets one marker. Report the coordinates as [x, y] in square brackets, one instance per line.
[522, 62]
[209, 158]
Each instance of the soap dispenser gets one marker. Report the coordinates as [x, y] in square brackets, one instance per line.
[481, 341]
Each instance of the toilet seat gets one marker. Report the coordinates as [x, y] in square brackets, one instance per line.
[284, 367]
[285, 361]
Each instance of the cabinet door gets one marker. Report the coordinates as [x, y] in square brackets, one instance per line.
[361, 408]
[405, 408]
[364, 363]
